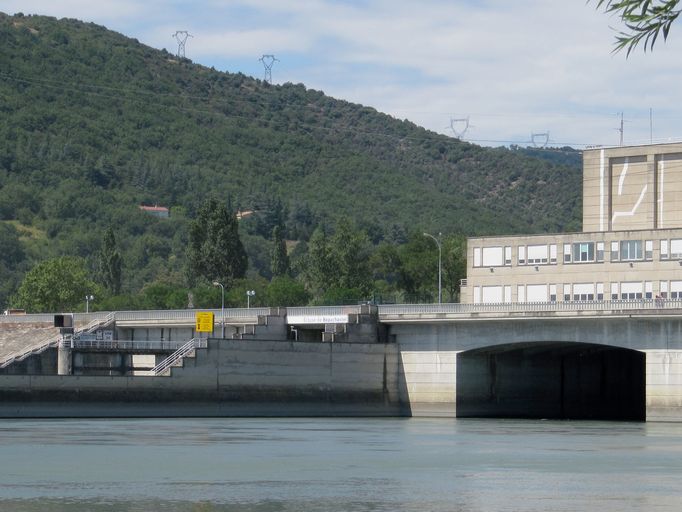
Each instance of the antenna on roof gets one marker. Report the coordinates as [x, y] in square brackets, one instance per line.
[268, 61]
[181, 37]
[542, 138]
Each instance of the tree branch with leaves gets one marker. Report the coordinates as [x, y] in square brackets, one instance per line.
[645, 21]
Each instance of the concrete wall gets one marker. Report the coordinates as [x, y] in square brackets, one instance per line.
[634, 187]
[664, 385]
[430, 352]
[230, 378]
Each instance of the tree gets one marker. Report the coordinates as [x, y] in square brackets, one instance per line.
[215, 251]
[55, 285]
[454, 264]
[318, 268]
[110, 263]
[279, 259]
[286, 291]
[644, 19]
[340, 261]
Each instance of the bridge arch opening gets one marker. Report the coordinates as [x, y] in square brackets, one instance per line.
[552, 380]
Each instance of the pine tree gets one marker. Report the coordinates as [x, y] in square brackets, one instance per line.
[279, 259]
[110, 263]
[215, 250]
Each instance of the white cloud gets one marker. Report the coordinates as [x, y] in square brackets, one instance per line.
[514, 67]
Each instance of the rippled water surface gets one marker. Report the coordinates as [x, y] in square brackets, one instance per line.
[265, 465]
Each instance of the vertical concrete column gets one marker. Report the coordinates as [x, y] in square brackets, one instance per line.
[663, 385]
[64, 359]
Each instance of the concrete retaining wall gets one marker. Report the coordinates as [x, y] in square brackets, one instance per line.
[230, 378]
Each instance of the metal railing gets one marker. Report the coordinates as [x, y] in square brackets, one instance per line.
[531, 307]
[125, 345]
[169, 314]
[176, 356]
[20, 356]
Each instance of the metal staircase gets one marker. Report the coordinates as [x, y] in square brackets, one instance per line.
[54, 342]
[176, 358]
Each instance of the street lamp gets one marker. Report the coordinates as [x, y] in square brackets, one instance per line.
[440, 265]
[222, 307]
[88, 298]
[249, 294]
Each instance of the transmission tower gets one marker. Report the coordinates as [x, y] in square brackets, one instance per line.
[542, 137]
[181, 37]
[268, 61]
[459, 133]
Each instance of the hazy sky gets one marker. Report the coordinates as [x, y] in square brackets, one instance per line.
[513, 67]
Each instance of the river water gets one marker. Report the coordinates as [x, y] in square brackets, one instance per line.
[278, 465]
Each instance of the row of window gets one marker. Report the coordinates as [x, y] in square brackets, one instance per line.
[629, 290]
[577, 252]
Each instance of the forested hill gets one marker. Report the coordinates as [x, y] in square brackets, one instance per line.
[95, 123]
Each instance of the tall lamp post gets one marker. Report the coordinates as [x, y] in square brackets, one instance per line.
[222, 307]
[88, 298]
[249, 294]
[440, 265]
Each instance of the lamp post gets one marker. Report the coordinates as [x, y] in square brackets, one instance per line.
[440, 265]
[249, 294]
[88, 298]
[222, 307]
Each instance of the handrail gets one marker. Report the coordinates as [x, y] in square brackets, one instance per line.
[89, 343]
[163, 314]
[20, 356]
[179, 354]
[531, 307]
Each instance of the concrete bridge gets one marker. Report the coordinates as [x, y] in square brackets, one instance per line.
[600, 360]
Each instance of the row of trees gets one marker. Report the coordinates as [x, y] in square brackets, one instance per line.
[337, 265]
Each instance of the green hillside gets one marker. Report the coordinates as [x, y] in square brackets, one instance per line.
[95, 124]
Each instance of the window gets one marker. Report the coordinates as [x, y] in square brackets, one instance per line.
[567, 292]
[493, 256]
[507, 255]
[600, 251]
[649, 250]
[663, 290]
[492, 294]
[477, 256]
[583, 251]
[537, 254]
[600, 291]
[552, 253]
[676, 289]
[675, 249]
[552, 293]
[631, 291]
[583, 291]
[520, 293]
[648, 290]
[522, 255]
[614, 291]
[631, 250]
[664, 249]
[614, 251]
[536, 293]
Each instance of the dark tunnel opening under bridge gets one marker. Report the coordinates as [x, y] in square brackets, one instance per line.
[552, 380]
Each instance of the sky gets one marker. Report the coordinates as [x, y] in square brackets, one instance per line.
[493, 72]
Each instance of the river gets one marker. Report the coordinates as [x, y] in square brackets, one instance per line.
[282, 465]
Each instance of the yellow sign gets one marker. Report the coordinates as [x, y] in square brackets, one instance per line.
[204, 321]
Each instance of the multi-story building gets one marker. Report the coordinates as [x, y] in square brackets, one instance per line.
[630, 247]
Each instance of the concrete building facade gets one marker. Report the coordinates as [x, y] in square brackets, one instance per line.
[630, 249]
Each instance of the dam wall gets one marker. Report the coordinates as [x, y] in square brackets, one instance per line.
[228, 378]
